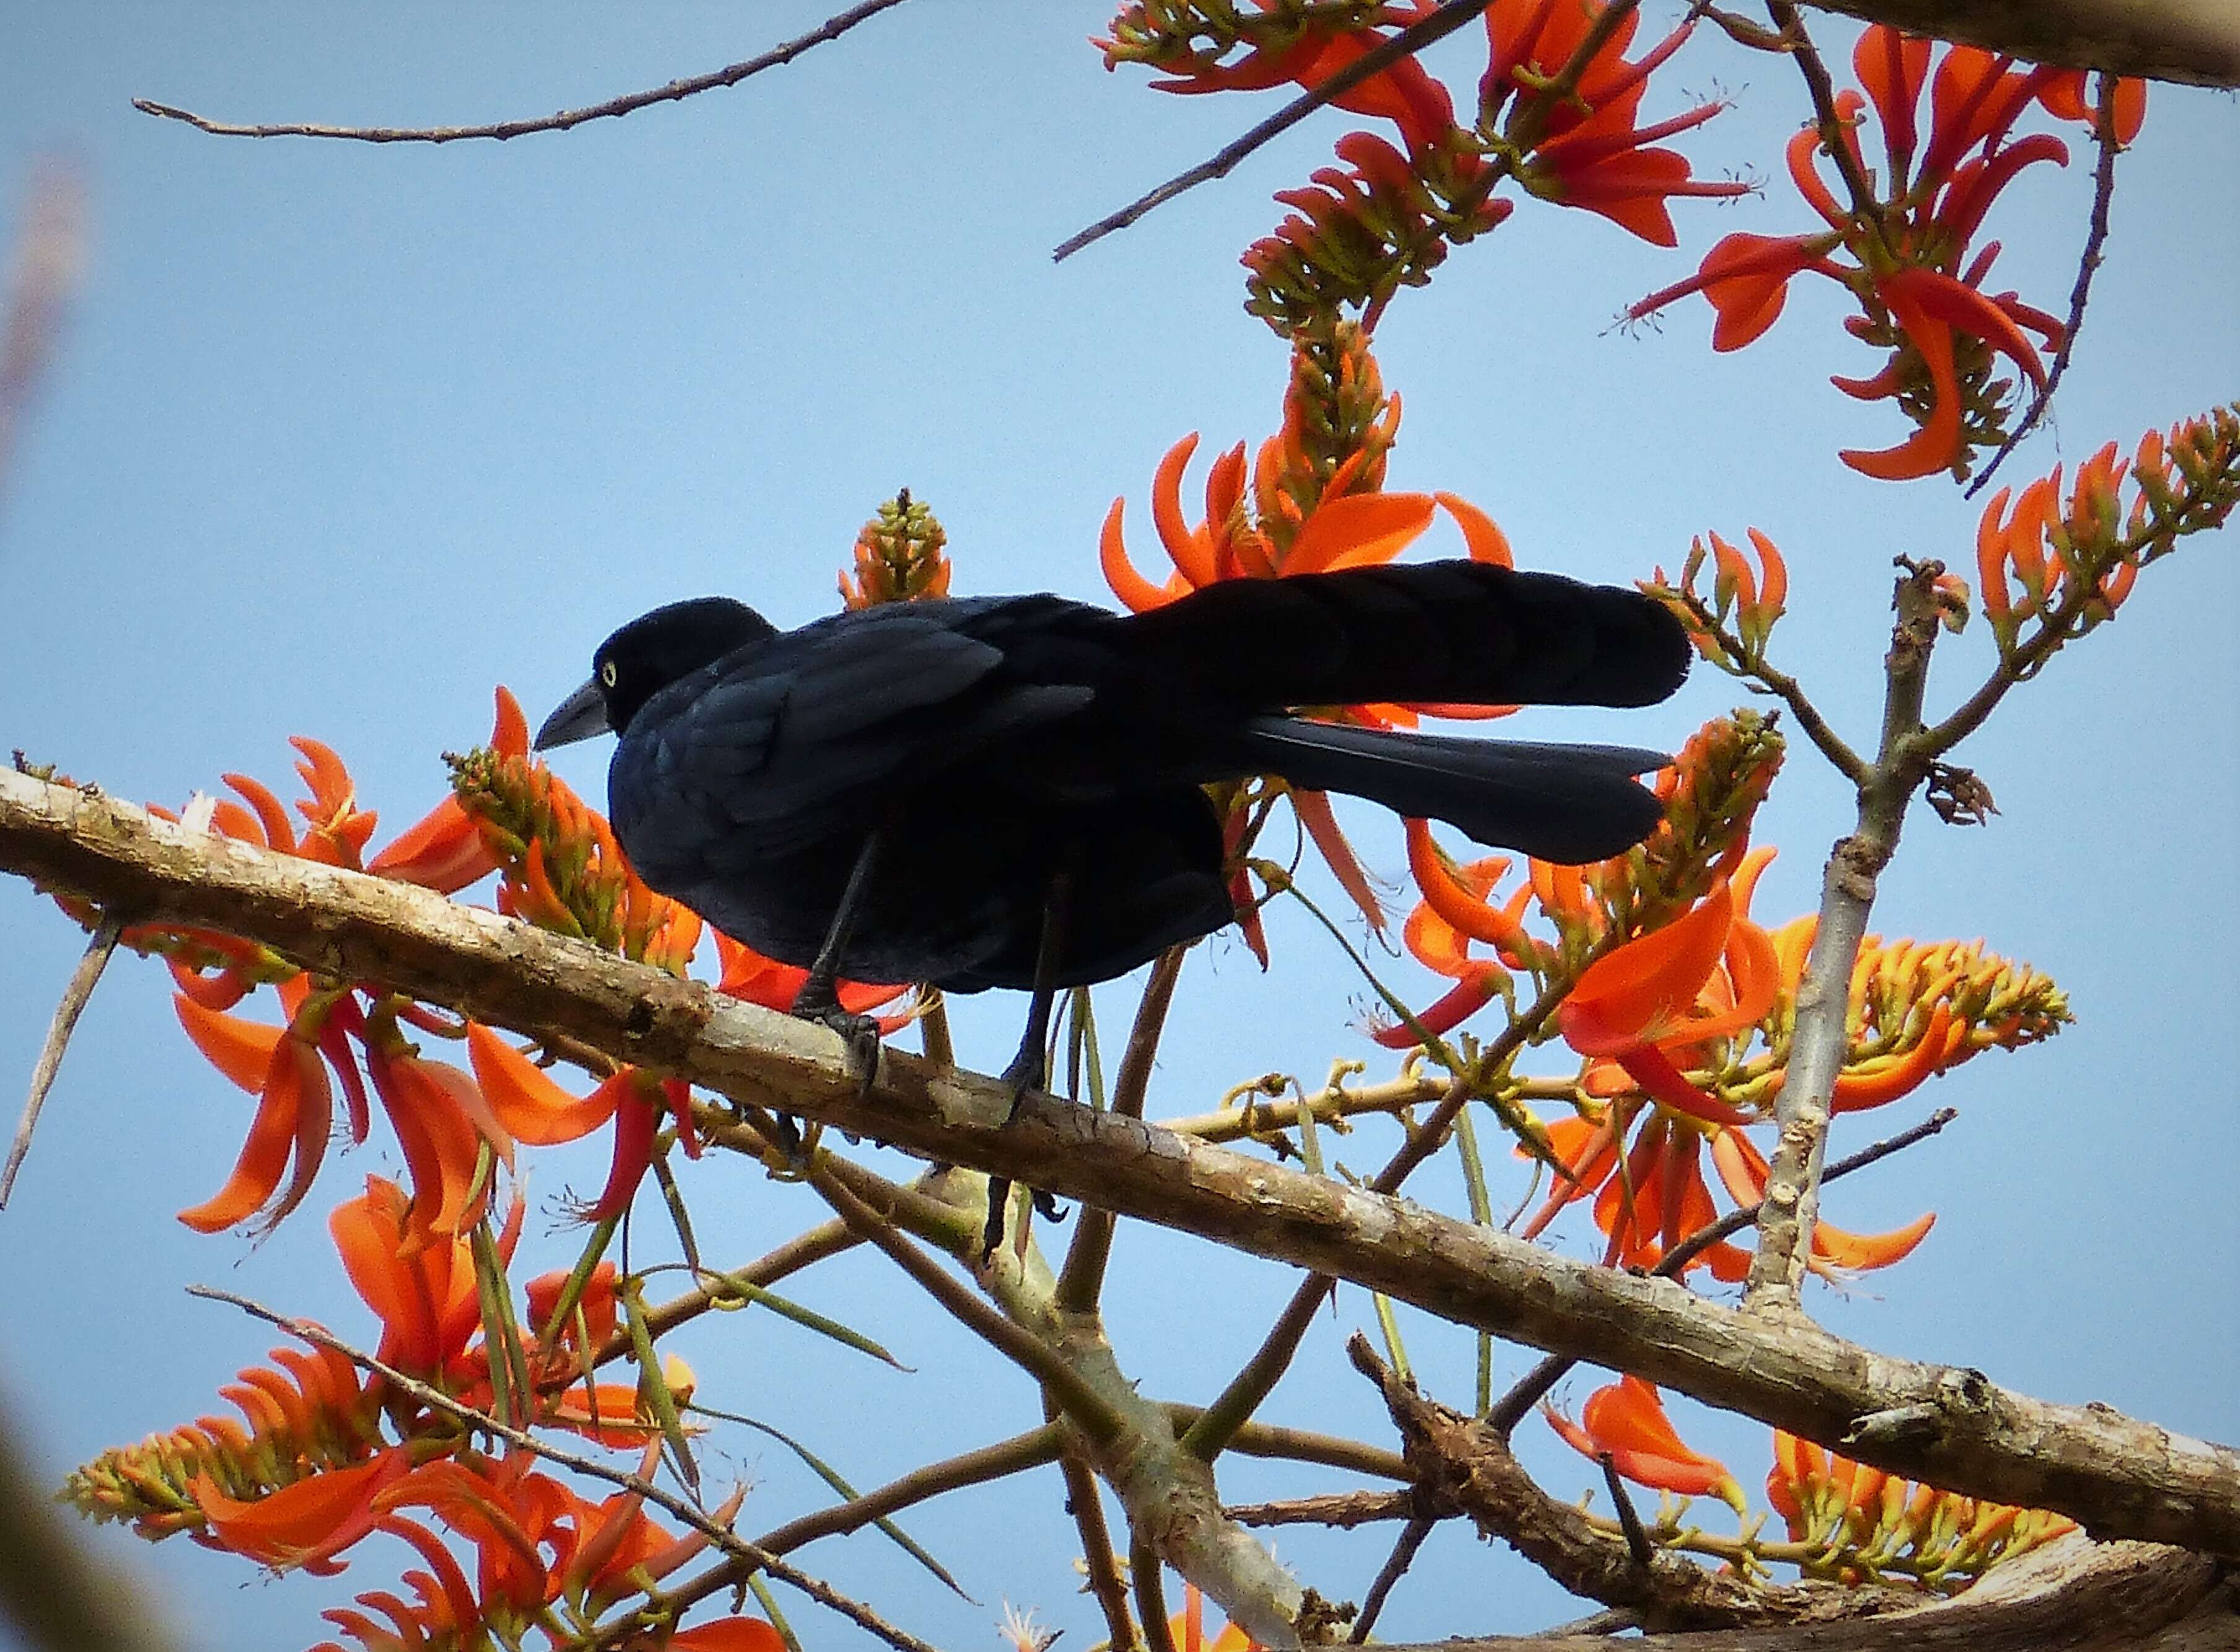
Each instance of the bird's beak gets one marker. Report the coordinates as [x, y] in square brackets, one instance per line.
[579, 716]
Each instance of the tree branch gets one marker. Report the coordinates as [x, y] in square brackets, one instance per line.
[2073, 1595]
[2088, 263]
[831, 29]
[2193, 40]
[2119, 1477]
[76, 994]
[1410, 41]
[1847, 896]
[57, 1592]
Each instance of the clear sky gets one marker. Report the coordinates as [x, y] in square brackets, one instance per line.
[338, 437]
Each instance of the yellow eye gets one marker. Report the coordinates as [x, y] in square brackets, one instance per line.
[608, 675]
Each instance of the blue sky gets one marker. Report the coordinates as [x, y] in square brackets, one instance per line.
[339, 436]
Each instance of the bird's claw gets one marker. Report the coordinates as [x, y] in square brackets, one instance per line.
[861, 1033]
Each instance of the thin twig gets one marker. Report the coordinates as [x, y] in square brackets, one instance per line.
[1020, 1452]
[1146, 1570]
[2095, 237]
[1628, 1517]
[1235, 1403]
[1533, 1386]
[682, 1508]
[1273, 1440]
[1412, 39]
[1340, 1509]
[1834, 130]
[98, 951]
[1085, 1502]
[1081, 1281]
[1080, 1402]
[1781, 685]
[1389, 1576]
[831, 29]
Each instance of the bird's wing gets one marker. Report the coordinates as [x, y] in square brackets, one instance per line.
[790, 742]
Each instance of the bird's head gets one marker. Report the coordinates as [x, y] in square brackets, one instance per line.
[644, 657]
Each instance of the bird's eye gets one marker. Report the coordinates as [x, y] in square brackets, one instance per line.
[608, 675]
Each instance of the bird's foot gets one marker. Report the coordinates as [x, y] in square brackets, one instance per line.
[861, 1032]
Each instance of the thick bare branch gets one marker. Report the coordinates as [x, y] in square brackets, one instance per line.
[2073, 1595]
[2194, 41]
[1465, 1466]
[1951, 1427]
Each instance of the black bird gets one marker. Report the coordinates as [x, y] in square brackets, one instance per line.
[1006, 792]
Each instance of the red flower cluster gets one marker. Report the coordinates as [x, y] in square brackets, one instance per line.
[1903, 248]
[562, 870]
[1315, 502]
[1684, 1031]
[1557, 108]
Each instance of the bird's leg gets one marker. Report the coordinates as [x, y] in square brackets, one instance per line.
[819, 997]
[1028, 1069]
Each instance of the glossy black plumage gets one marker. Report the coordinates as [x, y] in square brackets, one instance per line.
[998, 743]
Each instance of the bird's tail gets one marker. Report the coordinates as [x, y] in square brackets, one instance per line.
[1456, 632]
[1570, 804]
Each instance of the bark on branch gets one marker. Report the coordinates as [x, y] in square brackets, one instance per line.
[2072, 1595]
[1951, 1427]
[2194, 41]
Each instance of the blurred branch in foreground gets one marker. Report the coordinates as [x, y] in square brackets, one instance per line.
[44, 265]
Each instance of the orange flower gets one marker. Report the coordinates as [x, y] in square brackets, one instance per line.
[728, 1634]
[2053, 545]
[423, 1294]
[898, 556]
[312, 1414]
[305, 1524]
[1626, 1422]
[1919, 288]
[338, 827]
[1853, 1512]
[445, 851]
[442, 1124]
[295, 1113]
[528, 1106]
[1835, 1253]
[1745, 600]
[1652, 1202]
[1649, 997]
[1584, 150]
[752, 978]
[1315, 498]
[1403, 93]
[1186, 1628]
